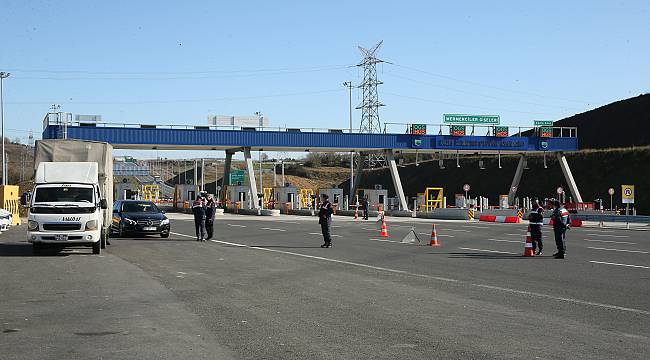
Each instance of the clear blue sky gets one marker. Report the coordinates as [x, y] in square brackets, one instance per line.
[163, 62]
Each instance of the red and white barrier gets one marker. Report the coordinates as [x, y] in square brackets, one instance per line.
[500, 219]
[573, 222]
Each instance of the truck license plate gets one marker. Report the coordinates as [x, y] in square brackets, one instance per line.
[61, 237]
[149, 229]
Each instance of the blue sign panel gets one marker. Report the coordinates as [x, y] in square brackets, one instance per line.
[481, 143]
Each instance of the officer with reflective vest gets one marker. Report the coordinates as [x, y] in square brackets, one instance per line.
[560, 219]
[536, 220]
[325, 220]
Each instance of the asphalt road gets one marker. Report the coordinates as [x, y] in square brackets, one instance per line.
[264, 289]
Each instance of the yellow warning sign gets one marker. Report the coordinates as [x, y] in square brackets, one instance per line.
[627, 192]
[520, 214]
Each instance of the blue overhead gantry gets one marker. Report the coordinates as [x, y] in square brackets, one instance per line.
[556, 140]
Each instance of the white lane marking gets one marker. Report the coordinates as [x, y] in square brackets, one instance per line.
[384, 240]
[490, 251]
[431, 277]
[510, 241]
[476, 227]
[612, 241]
[370, 229]
[439, 235]
[616, 236]
[457, 230]
[272, 229]
[332, 235]
[289, 222]
[621, 250]
[522, 234]
[236, 225]
[616, 264]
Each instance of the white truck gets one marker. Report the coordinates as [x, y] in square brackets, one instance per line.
[66, 207]
[68, 155]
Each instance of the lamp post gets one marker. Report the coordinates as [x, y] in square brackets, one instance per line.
[3, 75]
[348, 84]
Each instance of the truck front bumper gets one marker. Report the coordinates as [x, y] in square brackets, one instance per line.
[62, 238]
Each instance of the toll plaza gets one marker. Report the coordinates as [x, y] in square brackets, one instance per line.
[447, 139]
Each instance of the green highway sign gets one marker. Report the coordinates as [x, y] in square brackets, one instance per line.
[236, 177]
[543, 123]
[471, 119]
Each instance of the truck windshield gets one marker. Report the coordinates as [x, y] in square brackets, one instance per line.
[63, 194]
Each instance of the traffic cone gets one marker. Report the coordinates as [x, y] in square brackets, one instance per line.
[528, 248]
[384, 228]
[356, 213]
[434, 237]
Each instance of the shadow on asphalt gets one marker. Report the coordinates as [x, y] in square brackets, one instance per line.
[457, 255]
[25, 249]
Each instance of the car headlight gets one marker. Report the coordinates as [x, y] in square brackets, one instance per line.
[129, 221]
[91, 225]
[164, 222]
[32, 225]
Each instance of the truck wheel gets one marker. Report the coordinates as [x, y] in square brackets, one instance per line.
[36, 249]
[97, 248]
[164, 235]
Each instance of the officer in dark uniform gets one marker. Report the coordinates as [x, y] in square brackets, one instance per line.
[560, 219]
[536, 220]
[325, 220]
[198, 209]
[364, 207]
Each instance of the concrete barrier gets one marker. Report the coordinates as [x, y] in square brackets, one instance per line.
[500, 219]
[445, 214]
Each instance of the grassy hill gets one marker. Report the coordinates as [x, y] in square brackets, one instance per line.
[626, 123]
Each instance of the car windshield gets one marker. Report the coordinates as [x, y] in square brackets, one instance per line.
[139, 207]
[64, 194]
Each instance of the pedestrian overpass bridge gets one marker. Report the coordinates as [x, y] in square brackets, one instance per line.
[234, 139]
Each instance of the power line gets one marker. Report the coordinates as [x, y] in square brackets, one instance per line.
[489, 86]
[181, 75]
[177, 100]
[476, 93]
[472, 106]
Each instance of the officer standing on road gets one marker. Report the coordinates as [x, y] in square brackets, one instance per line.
[325, 220]
[364, 207]
[560, 219]
[210, 210]
[536, 220]
[198, 209]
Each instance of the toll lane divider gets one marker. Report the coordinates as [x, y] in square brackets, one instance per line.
[500, 219]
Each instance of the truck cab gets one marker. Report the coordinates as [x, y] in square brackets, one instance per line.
[66, 207]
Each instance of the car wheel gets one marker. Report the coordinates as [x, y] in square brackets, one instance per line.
[164, 235]
[97, 248]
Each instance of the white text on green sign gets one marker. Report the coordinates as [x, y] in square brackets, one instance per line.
[471, 119]
[543, 123]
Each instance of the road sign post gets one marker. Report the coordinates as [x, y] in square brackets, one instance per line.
[466, 189]
[627, 194]
[611, 198]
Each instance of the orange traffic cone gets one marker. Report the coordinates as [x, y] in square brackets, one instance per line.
[356, 213]
[528, 248]
[434, 237]
[384, 228]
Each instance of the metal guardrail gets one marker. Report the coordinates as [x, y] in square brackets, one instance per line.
[613, 218]
[442, 129]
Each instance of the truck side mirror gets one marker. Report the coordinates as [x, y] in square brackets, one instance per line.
[103, 204]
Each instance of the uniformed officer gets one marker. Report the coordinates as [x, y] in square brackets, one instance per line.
[536, 220]
[325, 220]
[364, 207]
[560, 219]
[198, 209]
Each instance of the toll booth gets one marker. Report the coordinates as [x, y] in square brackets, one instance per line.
[127, 191]
[286, 194]
[335, 195]
[184, 194]
[375, 197]
[239, 194]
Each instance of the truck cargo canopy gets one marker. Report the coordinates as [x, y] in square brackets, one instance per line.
[67, 172]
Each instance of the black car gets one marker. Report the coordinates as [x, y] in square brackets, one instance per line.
[138, 217]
